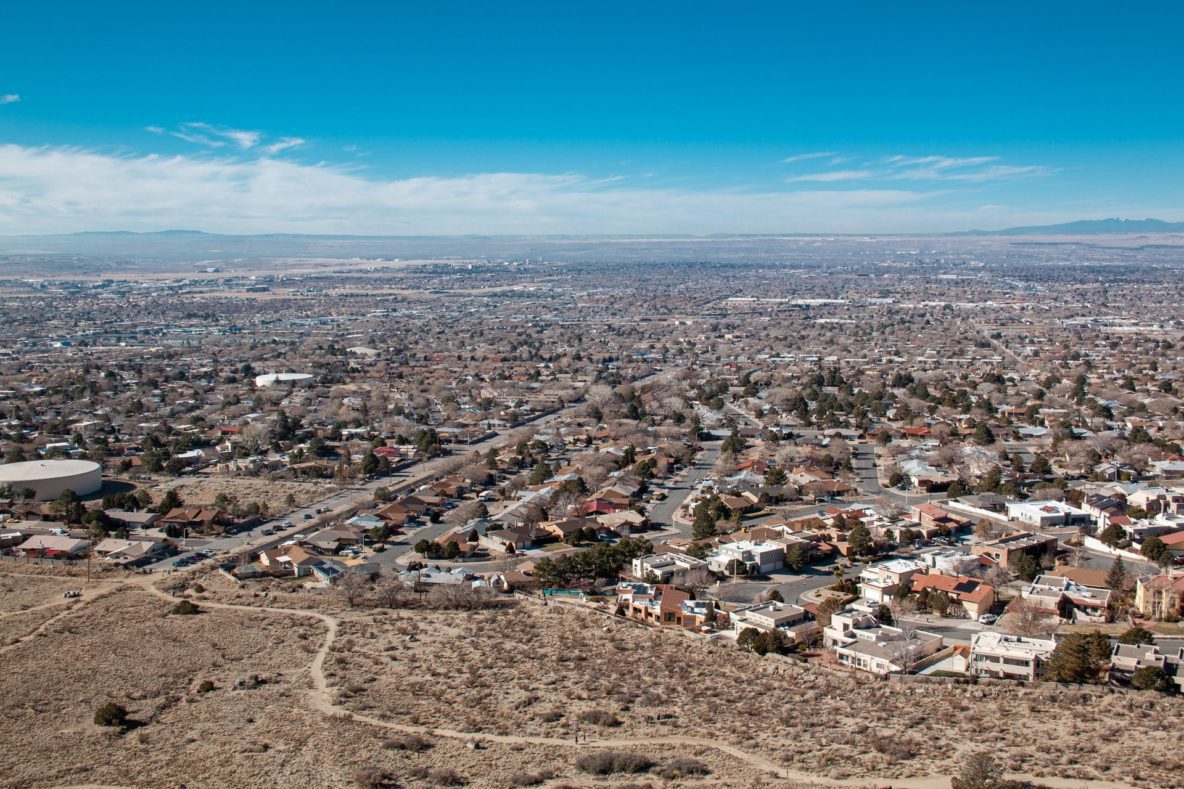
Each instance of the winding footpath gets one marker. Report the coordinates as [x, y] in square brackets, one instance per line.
[321, 697]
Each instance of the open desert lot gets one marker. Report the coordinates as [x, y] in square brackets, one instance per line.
[307, 691]
[200, 491]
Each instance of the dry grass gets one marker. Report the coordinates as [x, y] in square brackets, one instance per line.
[522, 670]
[20, 590]
[200, 490]
[554, 671]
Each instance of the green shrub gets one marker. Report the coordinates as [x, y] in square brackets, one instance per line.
[206, 686]
[186, 608]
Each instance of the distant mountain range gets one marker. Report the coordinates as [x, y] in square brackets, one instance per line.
[181, 249]
[1088, 227]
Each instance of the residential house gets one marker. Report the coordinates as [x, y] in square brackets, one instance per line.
[879, 582]
[623, 522]
[1126, 659]
[1160, 596]
[52, 546]
[1005, 656]
[299, 560]
[182, 520]
[757, 557]
[665, 567]
[793, 621]
[562, 529]
[1067, 599]
[664, 605]
[862, 643]
[1175, 544]
[396, 514]
[128, 552]
[1047, 514]
[510, 540]
[1004, 550]
[133, 519]
[329, 570]
[931, 516]
[825, 490]
[333, 540]
[975, 597]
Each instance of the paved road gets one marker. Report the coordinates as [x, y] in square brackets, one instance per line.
[952, 630]
[662, 513]
[864, 463]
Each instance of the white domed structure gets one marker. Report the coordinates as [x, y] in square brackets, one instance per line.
[283, 379]
[48, 478]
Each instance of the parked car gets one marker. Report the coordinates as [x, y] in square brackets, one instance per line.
[267, 532]
[988, 619]
[307, 516]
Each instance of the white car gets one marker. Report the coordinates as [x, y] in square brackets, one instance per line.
[988, 619]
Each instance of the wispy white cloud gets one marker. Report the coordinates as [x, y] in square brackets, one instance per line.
[805, 157]
[154, 129]
[831, 176]
[217, 136]
[283, 144]
[968, 169]
[10, 98]
[212, 136]
[67, 189]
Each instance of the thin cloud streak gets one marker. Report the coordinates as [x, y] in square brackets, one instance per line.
[831, 176]
[966, 169]
[10, 98]
[803, 157]
[211, 136]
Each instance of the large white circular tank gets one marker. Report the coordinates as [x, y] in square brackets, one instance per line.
[48, 478]
[283, 379]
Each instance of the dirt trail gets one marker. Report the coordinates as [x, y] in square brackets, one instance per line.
[69, 606]
[321, 698]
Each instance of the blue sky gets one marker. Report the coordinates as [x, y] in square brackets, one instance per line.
[599, 117]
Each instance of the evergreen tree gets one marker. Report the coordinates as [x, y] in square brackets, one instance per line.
[1116, 578]
[860, 540]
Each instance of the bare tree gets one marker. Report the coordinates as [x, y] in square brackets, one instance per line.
[392, 593]
[904, 648]
[998, 576]
[697, 579]
[351, 586]
[1029, 620]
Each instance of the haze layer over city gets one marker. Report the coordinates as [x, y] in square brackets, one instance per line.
[406, 395]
